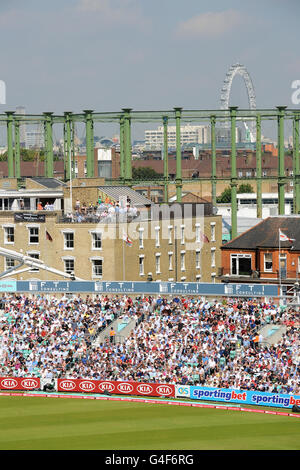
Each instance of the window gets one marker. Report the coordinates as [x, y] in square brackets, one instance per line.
[141, 266]
[69, 265]
[68, 240]
[97, 267]
[96, 241]
[33, 235]
[197, 236]
[141, 238]
[157, 243]
[182, 234]
[170, 255]
[213, 257]
[268, 260]
[213, 232]
[35, 256]
[170, 231]
[182, 261]
[198, 259]
[9, 263]
[9, 235]
[157, 263]
[241, 265]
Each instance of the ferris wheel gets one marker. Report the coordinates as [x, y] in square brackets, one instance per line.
[239, 69]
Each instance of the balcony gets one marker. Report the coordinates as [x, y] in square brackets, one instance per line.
[287, 277]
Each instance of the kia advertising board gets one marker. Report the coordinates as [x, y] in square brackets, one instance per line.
[19, 383]
[116, 387]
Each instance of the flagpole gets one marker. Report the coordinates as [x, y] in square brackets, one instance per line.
[279, 272]
[123, 261]
[70, 169]
[123, 249]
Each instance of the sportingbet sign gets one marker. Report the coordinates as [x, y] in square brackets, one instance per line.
[242, 397]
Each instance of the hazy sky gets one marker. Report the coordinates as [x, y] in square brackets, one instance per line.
[145, 54]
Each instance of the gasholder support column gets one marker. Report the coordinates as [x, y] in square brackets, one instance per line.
[258, 168]
[10, 148]
[233, 181]
[213, 160]
[166, 159]
[89, 129]
[178, 179]
[281, 172]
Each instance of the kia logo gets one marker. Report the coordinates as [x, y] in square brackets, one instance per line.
[29, 383]
[144, 389]
[67, 385]
[164, 390]
[9, 383]
[87, 386]
[125, 388]
[106, 386]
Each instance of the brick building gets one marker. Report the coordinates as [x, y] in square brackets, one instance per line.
[172, 247]
[257, 255]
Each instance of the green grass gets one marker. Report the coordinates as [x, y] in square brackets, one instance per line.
[68, 424]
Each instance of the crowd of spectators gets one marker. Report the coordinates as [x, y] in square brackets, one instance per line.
[180, 341]
[105, 210]
[47, 207]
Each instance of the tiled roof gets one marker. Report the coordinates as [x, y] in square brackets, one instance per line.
[266, 234]
[50, 183]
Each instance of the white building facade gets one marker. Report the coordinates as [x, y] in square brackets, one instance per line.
[154, 138]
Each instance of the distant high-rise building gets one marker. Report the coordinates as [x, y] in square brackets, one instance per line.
[189, 134]
[34, 138]
[223, 136]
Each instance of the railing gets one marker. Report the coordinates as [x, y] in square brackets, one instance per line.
[256, 274]
[114, 339]
[96, 218]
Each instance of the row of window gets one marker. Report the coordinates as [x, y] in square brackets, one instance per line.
[198, 235]
[97, 263]
[69, 264]
[241, 264]
[69, 239]
[34, 237]
[182, 260]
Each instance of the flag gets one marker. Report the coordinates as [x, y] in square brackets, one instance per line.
[285, 238]
[204, 237]
[48, 236]
[126, 239]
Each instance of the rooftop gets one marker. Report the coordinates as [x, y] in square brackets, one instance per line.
[50, 183]
[266, 234]
[117, 192]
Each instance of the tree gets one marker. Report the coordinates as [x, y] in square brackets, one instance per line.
[226, 194]
[27, 155]
[145, 173]
[245, 188]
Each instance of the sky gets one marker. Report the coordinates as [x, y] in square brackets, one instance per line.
[70, 55]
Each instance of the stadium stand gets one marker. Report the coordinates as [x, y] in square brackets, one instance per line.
[179, 341]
